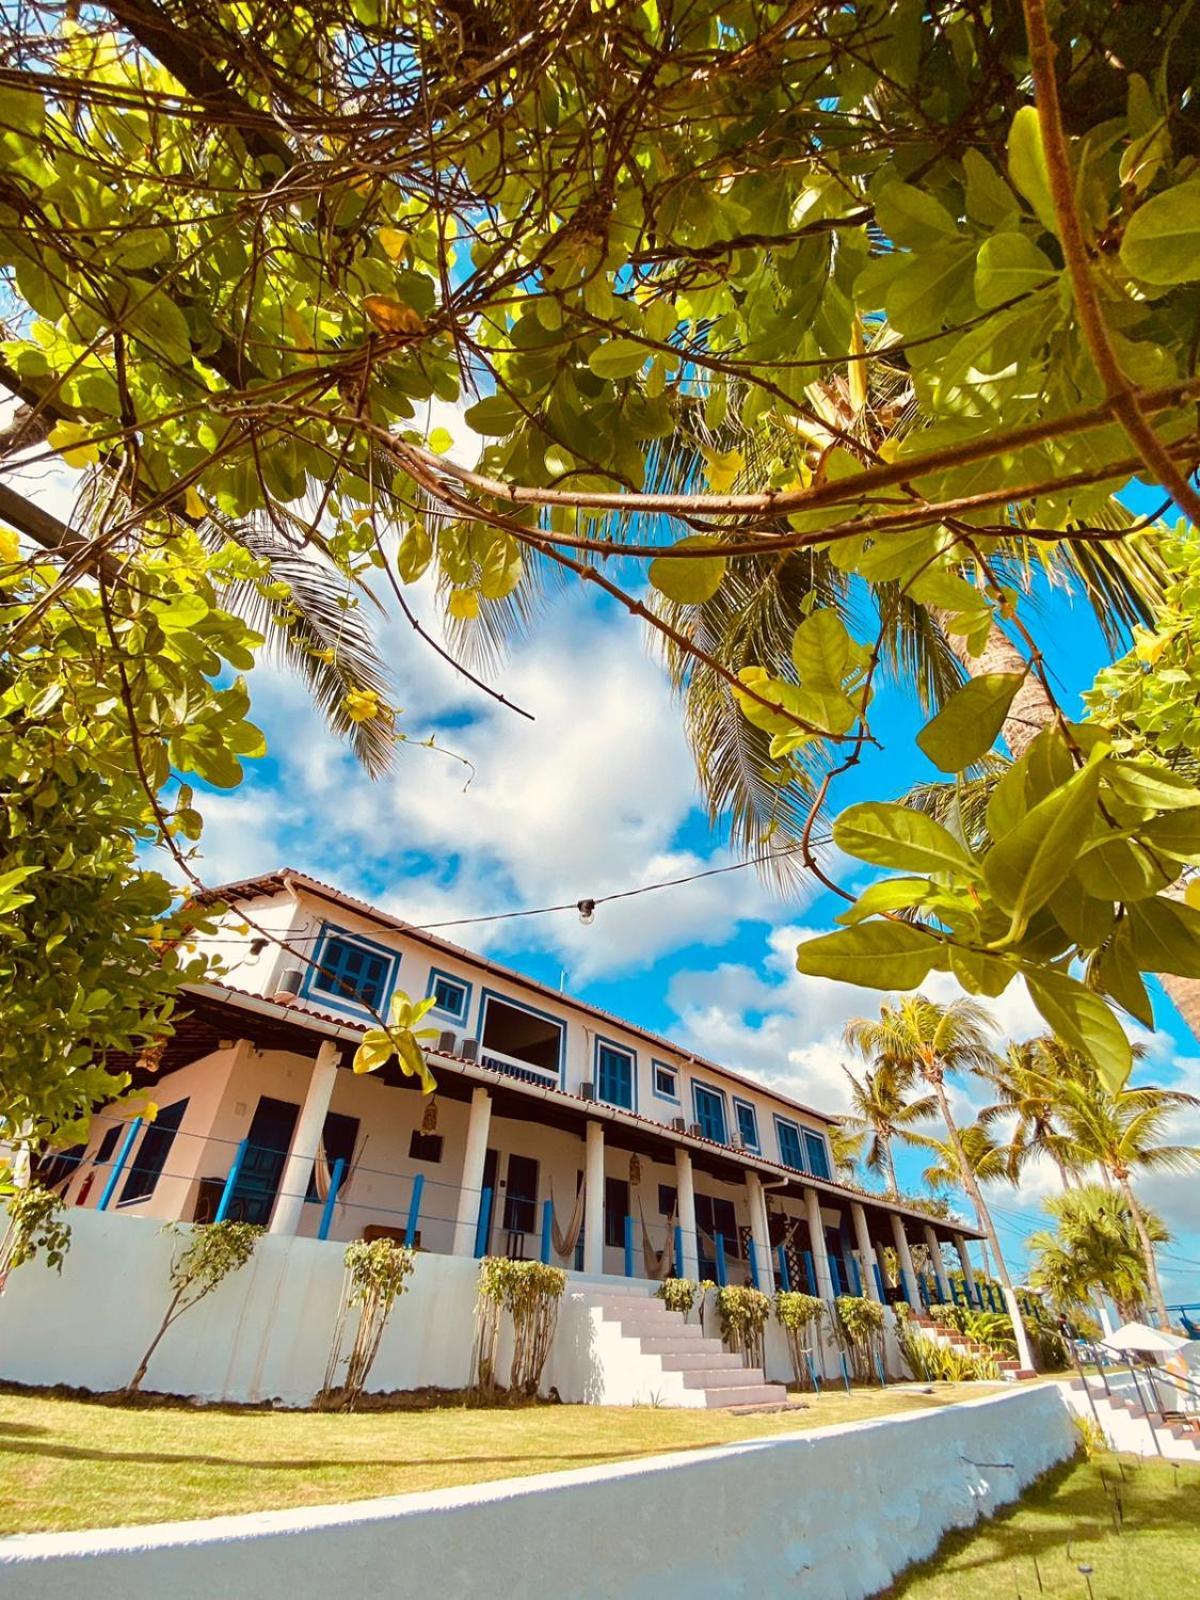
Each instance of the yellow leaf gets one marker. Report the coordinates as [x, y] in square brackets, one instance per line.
[391, 315]
[394, 242]
[464, 603]
[440, 440]
[10, 547]
[301, 332]
[73, 442]
[723, 468]
[194, 506]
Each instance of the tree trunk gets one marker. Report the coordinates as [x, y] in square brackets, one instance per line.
[135, 1382]
[886, 1146]
[1024, 1353]
[1143, 1233]
[1029, 713]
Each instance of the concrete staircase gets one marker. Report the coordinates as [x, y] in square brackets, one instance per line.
[951, 1339]
[652, 1352]
[1127, 1426]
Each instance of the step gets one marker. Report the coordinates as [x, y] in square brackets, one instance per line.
[672, 1345]
[723, 1377]
[760, 1394]
[647, 1311]
[697, 1360]
[645, 1328]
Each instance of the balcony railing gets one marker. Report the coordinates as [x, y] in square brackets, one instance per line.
[514, 1067]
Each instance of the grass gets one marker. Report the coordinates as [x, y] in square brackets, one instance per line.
[75, 1464]
[1135, 1523]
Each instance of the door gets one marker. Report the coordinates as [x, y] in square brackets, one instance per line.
[616, 1209]
[520, 1197]
[491, 1166]
[270, 1138]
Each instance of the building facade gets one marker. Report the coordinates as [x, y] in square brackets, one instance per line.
[556, 1130]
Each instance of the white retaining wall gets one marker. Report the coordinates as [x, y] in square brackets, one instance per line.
[830, 1515]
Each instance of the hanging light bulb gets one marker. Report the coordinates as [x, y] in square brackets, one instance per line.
[587, 912]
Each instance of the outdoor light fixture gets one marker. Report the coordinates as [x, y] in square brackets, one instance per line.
[587, 912]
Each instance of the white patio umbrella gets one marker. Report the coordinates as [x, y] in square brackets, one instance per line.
[1145, 1340]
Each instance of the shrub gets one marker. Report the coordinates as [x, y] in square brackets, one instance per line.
[931, 1362]
[530, 1292]
[376, 1276]
[799, 1315]
[35, 1227]
[214, 1250]
[860, 1323]
[743, 1313]
[678, 1294]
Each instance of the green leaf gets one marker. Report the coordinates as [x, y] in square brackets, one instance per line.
[1161, 243]
[1115, 971]
[1122, 869]
[893, 836]
[1023, 870]
[415, 553]
[979, 972]
[159, 324]
[969, 724]
[821, 651]
[876, 955]
[1166, 936]
[1027, 165]
[22, 110]
[1142, 783]
[911, 217]
[502, 567]
[1083, 1020]
[182, 614]
[1176, 835]
[893, 894]
[618, 358]
[495, 415]
[1008, 265]
[690, 580]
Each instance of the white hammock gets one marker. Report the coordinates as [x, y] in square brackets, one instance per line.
[657, 1263]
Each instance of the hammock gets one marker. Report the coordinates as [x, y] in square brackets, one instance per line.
[323, 1174]
[564, 1243]
[657, 1263]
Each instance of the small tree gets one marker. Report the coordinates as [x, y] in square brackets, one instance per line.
[376, 1275]
[35, 1227]
[799, 1315]
[679, 1294]
[860, 1331]
[530, 1292]
[743, 1313]
[212, 1252]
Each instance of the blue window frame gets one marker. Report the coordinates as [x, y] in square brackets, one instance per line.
[665, 1081]
[350, 973]
[152, 1153]
[614, 1074]
[710, 1112]
[817, 1155]
[791, 1151]
[747, 1123]
[451, 996]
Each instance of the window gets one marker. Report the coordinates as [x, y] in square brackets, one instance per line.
[817, 1153]
[425, 1146]
[710, 1112]
[666, 1081]
[614, 1075]
[715, 1217]
[791, 1152]
[451, 996]
[747, 1123]
[152, 1153]
[519, 1041]
[520, 1195]
[338, 1138]
[107, 1145]
[56, 1166]
[616, 1209]
[666, 1200]
[351, 970]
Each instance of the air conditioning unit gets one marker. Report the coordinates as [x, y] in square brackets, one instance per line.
[696, 1131]
[288, 986]
[469, 1050]
[448, 1042]
[587, 1091]
[679, 1124]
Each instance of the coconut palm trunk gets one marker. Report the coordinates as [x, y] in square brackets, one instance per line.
[1147, 1244]
[933, 1076]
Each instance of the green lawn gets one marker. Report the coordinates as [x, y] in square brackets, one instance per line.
[71, 1464]
[1135, 1523]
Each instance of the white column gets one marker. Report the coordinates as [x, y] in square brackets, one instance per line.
[816, 1239]
[866, 1250]
[306, 1141]
[593, 1204]
[939, 1266]
[760, 1233]
[907, 1275]
[964, 1261]
[469, 1195]
[685, 1206]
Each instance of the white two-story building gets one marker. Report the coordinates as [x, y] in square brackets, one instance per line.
[556, 1130]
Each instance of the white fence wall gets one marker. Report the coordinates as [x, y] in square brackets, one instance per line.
[830, 1515]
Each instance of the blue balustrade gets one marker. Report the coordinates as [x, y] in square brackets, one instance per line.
[414, 1210]
[118, 1165]
[335, 1185]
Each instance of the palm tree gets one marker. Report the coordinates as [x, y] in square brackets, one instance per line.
[1095, 1248]
[846, 1148]
[880, 1110]
[1027, 1081]
[987, 1159]
[1122, 1134]
[916, 1038]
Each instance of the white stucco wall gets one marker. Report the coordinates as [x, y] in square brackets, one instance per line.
[829, 1515]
